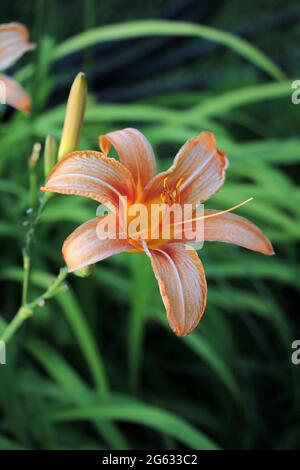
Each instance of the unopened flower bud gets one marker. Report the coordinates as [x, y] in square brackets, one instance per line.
[74, 116]
[35, 155]
[50, 154]
[84, 272]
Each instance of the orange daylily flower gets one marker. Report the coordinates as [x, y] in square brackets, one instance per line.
[197, 173]
[14, 42]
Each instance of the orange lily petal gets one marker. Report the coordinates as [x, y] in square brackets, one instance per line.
[231, 228]
[14, 42]
[135, 153]
[199, 165]
[91, 174]
[181, 278]
[14, 95]
[83, 247]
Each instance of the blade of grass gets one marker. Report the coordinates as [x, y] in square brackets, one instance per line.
[200, 345]
[139, 413]
[81, 331]
[146, 28]
[67, 378]
[139, 294]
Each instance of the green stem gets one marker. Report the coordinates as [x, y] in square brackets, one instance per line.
[34, 220]
[13, 326]
[35, 214]
[27, 310]
[32, 186]
[26, 269]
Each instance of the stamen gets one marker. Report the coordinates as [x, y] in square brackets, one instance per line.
[230, 209]
[205, 216]
[178, 184]
[217, 214]
[170, 195]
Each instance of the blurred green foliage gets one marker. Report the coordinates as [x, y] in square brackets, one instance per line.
[98, 366]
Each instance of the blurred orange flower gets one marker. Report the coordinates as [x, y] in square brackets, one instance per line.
[197, 173]
[14, 42]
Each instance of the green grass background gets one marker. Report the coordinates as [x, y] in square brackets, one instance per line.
[97, 367]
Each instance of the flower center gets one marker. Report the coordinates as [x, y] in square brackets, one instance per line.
[156, 217]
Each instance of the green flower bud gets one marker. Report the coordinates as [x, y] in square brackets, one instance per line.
[50, 154]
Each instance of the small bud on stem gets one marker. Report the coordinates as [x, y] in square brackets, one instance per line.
[84, 272]
[50, 154]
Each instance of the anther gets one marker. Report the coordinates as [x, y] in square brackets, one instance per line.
[178, 184]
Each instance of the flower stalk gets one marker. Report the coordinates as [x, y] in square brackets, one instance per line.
[27, 310]
[69, 141]
[26, 274]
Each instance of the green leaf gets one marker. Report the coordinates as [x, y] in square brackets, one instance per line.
[139, 413]
[168, 28]
[72, 384]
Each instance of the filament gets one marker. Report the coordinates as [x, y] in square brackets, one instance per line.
[216, 214]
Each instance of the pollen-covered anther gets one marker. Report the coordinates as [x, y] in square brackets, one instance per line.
[170, 195]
